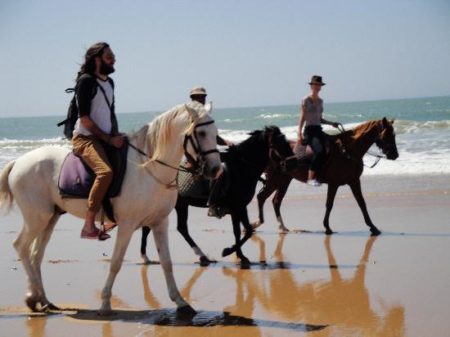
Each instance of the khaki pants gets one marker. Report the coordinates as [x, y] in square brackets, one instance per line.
[93, 154]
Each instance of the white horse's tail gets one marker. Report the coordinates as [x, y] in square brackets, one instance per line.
[6, 197]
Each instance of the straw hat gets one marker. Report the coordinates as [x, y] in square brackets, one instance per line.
[198, 91]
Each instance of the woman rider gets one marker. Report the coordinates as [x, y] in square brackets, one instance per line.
[311, 117]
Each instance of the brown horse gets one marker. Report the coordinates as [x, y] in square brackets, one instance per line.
[344, 166]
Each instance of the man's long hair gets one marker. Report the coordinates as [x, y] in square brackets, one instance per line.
[88, 67]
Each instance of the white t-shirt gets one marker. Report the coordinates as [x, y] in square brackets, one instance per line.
[100, 112]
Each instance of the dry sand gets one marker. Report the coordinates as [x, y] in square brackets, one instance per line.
[308, 285]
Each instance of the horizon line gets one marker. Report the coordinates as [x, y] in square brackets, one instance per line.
[244, 107]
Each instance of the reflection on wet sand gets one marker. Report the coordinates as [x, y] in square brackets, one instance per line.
[344, 304]
[170, 317]
[332, 307]
[36, 326]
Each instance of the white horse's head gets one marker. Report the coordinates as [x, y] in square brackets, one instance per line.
[200, 145]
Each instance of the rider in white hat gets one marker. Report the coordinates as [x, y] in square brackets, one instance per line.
[199, 91]
[199, 94]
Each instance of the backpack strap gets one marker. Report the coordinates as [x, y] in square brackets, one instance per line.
[114, 123]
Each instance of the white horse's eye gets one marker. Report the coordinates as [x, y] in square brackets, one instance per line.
[201, 134]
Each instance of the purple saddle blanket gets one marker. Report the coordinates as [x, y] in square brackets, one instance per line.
[76, 178]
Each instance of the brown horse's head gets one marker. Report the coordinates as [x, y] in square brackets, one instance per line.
[386, 139]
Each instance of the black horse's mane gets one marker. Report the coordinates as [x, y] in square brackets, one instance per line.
[275, 130]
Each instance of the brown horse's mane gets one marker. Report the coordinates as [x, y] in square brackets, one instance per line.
[355, 133]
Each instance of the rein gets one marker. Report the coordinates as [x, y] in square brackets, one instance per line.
[349, 156]
[180, 168]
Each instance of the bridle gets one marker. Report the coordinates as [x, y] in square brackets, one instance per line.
[385, 147]
[197, 165]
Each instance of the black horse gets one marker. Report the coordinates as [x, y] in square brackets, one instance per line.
[244, 164]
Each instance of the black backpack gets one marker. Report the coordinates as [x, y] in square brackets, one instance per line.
[72, 112]
[72, 116]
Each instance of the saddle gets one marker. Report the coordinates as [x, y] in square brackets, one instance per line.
[198, 189]
[76, 178]
[302, 155]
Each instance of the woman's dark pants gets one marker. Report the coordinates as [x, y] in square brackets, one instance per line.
[316, 139]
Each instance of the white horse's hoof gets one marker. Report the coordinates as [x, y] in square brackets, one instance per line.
[186, 310]
[50, 307]
[31, 303]
[105, 312]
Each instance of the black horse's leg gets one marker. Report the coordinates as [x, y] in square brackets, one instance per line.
[247, 226]
[243, 215]
[181, 208]
[331, 194]
[284, 182]
[355, 185]
[236, 220]
[237, 216]
[145, 232]
[262, 196]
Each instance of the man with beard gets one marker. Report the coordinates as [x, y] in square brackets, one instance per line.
[96, 126]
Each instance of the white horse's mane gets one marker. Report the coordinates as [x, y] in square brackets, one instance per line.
[154, 136]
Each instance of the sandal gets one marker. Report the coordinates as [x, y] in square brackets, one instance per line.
[106, 228]
[96, 234]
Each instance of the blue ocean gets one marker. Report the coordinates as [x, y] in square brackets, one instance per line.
[422, 127]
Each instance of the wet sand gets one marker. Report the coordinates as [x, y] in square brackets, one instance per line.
[300, 284]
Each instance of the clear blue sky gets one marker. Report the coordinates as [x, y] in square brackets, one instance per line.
[246, 53]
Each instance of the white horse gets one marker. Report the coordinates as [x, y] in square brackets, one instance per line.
[147, 196]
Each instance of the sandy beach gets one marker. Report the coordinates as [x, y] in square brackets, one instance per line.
[301, 284]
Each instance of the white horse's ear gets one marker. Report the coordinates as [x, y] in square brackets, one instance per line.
[192, 112]
[208, 107]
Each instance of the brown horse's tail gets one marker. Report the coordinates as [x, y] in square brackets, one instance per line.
[6, 197]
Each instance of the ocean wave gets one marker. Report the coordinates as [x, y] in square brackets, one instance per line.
[275, 116]
[424, 147]
[404, 126]
[11, 149]
[5, 142]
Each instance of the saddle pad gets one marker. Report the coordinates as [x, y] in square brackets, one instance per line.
[190, 186]
[76, 178]
[302, 151]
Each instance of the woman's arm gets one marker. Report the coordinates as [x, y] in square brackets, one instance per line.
[301, 123]
[324, 121]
